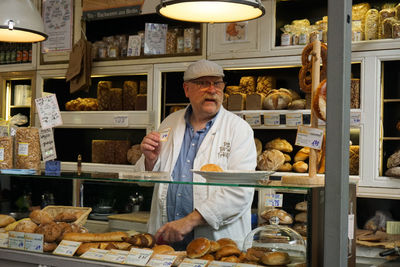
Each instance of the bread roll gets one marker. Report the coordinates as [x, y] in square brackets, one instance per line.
[84, 247]
[297, 104]
[301, 206]
[227, 251]
[277, 99]
[215, 246]
[6, 220]
[65, 216]
[211, 168]
[284, 217]
[26, 226]
[301, 217]
[302, 154]
[162, 249]
[301, 228]
[91, 237]
[230, 259]
[226, 241]
[286, 167]
[275, 258]
[49, 247]
[208, 257]
[279, 144]
[50, 231]
[287, 157]
[198, 247]
[300, 166]
[270, 160]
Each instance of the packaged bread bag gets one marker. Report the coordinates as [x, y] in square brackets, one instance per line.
[27, 148]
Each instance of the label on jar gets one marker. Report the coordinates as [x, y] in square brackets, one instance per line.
[102, 52]
[356, 36]
[1, 153]
[295, 39]
[112, 52]
[285, 39]
[179, 44]
[303, 38]
[23, 149]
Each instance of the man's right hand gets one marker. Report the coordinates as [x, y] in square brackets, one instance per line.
[151, 147]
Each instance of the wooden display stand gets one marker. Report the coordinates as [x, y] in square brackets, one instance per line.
[312, 178]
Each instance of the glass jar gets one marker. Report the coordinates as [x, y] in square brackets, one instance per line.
[189, 43]
[102, 50]
[179, 41]
[171, 41]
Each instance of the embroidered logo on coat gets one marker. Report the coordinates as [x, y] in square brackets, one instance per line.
[225, 150]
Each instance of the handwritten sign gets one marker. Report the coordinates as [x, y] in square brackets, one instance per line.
[161, 260]
[309, 137]
[49, 112]
[221, 264]
[121, 120]
[47, 144]
[271, 119]
[115, 255]
[94, 254]
[16, 240]
[355, 119]
[253, 119]
[67, 248]
[138, 256]
[294, 119]
[273, 200]
[34, 242]
[193, 263]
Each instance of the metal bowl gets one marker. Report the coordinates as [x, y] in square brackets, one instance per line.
[19, 215]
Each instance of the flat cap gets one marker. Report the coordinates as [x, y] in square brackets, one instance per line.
[203, 68]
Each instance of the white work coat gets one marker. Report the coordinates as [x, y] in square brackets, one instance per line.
[229, 144]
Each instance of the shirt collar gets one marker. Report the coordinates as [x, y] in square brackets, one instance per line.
[189, 112]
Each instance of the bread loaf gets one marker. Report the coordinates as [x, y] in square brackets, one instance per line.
[99, 237]
[130, 91]
[26, 226]
[141, 102]
[162, 249]
[286, 167]
[103, 95]
[134, 154]
[277, 99]
[287, 157]
[254, 101]
[84, 247]
[393, 172]
[301, 206]
[297, 104]
[198, 247]
[284, 217]
[354, 160]
[302, 154]
[300, 166]
[276, 258]
[301, 228]
[41, 216]
[227, 251]
[393, 160]
[236, 102]
[226, 241]
[211, 168]
[115, 99]
[279, 144]
[371, 24]
[301, 217]
[50, 231]
[270, 160]
[265, 84]
[6, 220]
[247, 84]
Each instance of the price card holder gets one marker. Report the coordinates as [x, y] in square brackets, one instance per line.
[294, 119]
[67, 248]
[94, 254]
[34, 242]
[193, 263]
[138, 256]
[3, 240]
[309, 137]
[273, 200]
[272, 119]
[16, 240]
[161, 260]
[355, 119]
[115, 255]
[254, 119]
[221, 264]
[121, 121]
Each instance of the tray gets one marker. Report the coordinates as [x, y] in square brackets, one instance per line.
[54, 210]
[235, 176]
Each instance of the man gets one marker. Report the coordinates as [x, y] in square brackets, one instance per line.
[187, 139]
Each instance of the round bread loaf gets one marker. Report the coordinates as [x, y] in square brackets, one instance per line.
[279, 144]
[300, 166]
[40, 216]
[211, 168]
[270, 160]
[198, 247]
[162, 249]
[226, 241]
[26, 226]
[50, 231]
[226, 251]
[6, 220]
[275, 258]
[65, 216]
[284, 217]
[287, 167]
[301, 206]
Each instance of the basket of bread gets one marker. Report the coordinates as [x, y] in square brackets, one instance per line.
[76, 215]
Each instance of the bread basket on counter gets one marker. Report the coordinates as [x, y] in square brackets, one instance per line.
[83, 212]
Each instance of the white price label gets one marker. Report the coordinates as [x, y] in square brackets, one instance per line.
[67, 248]
[221, 264]
[355, 119]
[121, 121]
[94, 254]
[23, 149]
[161, 260]
[1, 153]
[271, 119]
[273, 200]
[294, 119]
[164, 134]
[116, 255]
[253, 119]
[138, 256]
[47, 144]
[49, 112]
[193, 263]
[3, 240]
[34, 242]
[351, 227]
[16, 240]
[309, 137]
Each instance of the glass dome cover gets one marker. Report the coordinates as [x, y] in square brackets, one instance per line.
[275, 237]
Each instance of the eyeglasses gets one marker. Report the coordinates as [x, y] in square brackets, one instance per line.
[206, 84]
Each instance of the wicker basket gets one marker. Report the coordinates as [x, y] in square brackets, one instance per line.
[54, 210]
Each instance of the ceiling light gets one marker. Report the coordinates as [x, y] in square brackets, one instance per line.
[20, 22]
[211, 10]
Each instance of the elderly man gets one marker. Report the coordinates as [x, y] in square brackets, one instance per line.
[187, 139]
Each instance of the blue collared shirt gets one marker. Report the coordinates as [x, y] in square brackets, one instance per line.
[180, 196]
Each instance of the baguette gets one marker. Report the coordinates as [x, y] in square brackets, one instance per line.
[99, 237]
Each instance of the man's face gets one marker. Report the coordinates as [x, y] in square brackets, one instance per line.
[205, 95]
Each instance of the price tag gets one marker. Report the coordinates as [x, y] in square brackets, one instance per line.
[16, 240]
[253, 119]
[350, 232]
[94, 254]
[273, 200]
[309, 137]
[121, 120]
[138, 256]
[23, 149]
[355, 119]
[115, 255]
[34, 242]
[49, 112]
[271, 119]
[193, 263]
[67, 248]
[294, 119]
[47, 144]
[3, 240]
[221, 264]
[161, 260]
[164, 135]
[1, 153]
[244, 265]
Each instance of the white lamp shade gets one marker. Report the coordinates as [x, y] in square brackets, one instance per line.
[211, 10]
[20, 22]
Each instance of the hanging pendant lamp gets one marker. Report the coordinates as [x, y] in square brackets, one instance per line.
[211, 10]
[20, 22]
